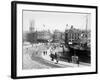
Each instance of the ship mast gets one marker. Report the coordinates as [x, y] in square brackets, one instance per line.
[86, 28]
[86, 22]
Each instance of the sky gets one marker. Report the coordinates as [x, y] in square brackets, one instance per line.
[42, 20]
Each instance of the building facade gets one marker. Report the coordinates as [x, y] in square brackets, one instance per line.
[77, 36]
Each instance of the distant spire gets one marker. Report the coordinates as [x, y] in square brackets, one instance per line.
[32, 26]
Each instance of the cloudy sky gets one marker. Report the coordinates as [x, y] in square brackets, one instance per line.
[42, 20]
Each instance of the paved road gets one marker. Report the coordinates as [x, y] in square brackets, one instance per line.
[33, 60]
[45, 62]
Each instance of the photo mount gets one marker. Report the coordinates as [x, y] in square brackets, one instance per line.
[14, 38]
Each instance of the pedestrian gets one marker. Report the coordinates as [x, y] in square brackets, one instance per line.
[52, 57]
[78, 62]
[56, 57]
[44, 52]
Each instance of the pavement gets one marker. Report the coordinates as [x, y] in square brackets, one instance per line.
[38, 61]
[63, 63]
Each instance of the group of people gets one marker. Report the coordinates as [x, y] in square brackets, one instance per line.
[55, 56]
[45, 52]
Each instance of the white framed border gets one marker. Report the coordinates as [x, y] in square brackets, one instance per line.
[33, 72]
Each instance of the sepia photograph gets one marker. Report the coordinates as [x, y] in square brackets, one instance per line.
[53, 39]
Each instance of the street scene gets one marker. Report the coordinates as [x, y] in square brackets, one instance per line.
[56, 40]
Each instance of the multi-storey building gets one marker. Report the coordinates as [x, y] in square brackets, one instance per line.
[58, 36]
[73, 35]
[44, 35]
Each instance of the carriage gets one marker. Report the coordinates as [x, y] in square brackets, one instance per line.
[59, 53]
